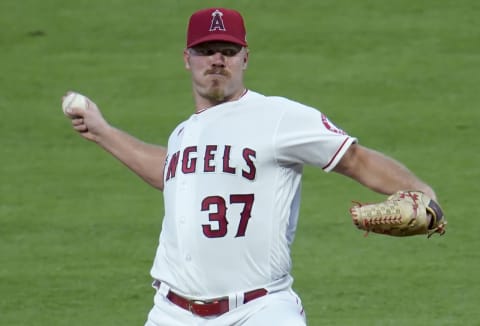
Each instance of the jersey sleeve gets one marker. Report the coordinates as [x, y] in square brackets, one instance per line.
[306, 136]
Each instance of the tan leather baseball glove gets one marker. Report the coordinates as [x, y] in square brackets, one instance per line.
[403, 214]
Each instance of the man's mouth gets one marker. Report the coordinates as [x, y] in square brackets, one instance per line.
[217, 72]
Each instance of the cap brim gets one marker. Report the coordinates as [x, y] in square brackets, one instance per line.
[218, 38]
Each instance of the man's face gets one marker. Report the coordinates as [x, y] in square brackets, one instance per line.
[217, 69]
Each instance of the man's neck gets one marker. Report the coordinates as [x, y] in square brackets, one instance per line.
[202, 103]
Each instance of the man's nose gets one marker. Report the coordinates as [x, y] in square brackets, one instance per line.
[218, 59]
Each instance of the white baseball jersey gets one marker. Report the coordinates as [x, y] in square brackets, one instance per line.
[232, 193]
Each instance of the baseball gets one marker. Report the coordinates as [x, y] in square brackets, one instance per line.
[74, 100]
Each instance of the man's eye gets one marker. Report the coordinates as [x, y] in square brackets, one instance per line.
[203, 51]
[229, 52]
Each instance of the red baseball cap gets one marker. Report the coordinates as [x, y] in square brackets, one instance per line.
[216, 24]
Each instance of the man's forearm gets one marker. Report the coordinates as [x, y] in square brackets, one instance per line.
[146, 160]
[379, 172]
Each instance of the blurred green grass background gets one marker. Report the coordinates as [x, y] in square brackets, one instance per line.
[78, 231]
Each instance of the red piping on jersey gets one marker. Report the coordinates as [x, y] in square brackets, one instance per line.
[244, 92]
[336, 153]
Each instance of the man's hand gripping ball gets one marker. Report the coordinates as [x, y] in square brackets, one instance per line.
[403, 214]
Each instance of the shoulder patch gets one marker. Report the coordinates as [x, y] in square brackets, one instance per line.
[330, 126]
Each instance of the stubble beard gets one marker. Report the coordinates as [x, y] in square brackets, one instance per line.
[216, 92]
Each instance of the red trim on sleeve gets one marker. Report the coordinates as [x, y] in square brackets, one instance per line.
[336, 153]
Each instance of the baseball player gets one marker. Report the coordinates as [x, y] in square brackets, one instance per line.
[231, 178]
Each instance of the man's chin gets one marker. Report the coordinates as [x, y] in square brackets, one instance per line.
[218, 96]
[216, 93]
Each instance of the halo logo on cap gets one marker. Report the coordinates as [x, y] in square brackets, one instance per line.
[217, 21]
[216, 24]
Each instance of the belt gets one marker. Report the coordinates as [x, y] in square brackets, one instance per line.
[213, 307]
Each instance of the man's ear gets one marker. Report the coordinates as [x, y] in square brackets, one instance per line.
[245, 59]
[186, 57]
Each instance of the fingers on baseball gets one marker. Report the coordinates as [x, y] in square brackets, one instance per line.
[79, 124]
[76, 112]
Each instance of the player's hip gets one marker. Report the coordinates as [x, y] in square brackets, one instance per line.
[205, 281]
[255, 307]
